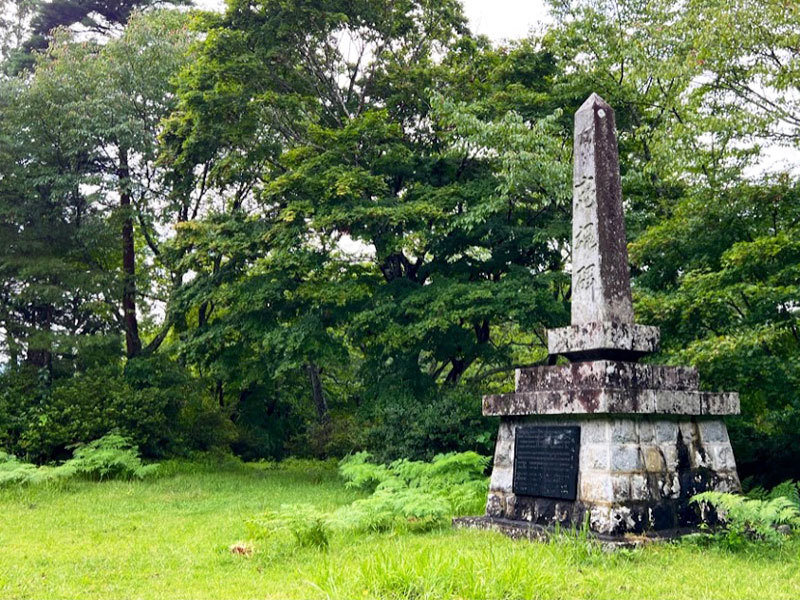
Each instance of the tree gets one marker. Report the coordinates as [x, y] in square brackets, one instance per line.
[385, 212]
[35, 22]
[83, 129]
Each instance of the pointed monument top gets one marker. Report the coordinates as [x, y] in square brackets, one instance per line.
[593, 100]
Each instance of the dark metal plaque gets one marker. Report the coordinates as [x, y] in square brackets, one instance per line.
[546, 461]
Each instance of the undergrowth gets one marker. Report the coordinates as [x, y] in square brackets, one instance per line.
[404, 496]
[761, 516]
[110, 457]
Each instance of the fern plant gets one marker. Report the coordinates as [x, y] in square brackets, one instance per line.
[110, 457]
[309, 527]
[361, 474]
[787, 489]
[414, 495]
[405, 495]
[14, 472]
[745, 519]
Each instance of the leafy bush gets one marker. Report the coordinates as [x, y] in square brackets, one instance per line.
[747, 519]
[309, 527]
[110, 457]
[405, 495]
[420, 425]
[154, 402]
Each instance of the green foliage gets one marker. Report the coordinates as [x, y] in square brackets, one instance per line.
[309, 527]
[14, 473]
[746, 519]
[786, 489]
[404, 496]
[159, 406]
[110, 457]
[361, 473]
[351, 219]
[422, 423]
[414, 494]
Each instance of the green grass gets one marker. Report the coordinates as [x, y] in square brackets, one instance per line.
[169, 537]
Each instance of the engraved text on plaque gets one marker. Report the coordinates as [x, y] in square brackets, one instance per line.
[546, 461]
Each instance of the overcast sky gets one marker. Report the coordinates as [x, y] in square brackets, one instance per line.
[498, 19]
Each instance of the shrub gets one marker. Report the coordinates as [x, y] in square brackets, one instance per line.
[110, 457]
[309, 527]
[153, 401]
[421, 425]
[405, 495]
[414, 494]
[748, 519]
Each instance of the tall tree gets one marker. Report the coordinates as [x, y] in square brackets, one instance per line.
[324, 111]
[84, 129]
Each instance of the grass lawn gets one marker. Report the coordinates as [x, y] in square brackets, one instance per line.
[169, 537]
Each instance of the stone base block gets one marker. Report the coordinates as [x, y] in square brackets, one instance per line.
[521, 530]
[611, 401]
[603, 339]
[636, 474]
[609, 386]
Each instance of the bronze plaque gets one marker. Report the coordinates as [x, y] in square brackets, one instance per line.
[546, 461]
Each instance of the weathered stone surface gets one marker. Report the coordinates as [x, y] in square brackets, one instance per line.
[637, 476]
[609, 387]
[502, 478]
[724, 403]
[606, 373]
[601, 288]
[612, 401]
[603, 339]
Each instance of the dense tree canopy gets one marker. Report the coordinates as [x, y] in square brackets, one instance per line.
[338, 223]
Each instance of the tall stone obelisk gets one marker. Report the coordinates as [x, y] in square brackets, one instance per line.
[601, 290]
[623, 444]
[602, 309]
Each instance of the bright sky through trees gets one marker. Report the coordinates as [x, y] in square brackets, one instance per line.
[498, 19]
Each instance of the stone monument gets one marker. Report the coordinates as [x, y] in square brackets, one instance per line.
[621, 444]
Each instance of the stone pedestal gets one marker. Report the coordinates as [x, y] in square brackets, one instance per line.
[649, 441]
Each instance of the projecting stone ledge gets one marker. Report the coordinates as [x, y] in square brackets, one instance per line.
[606, 400]
[606, 374]
[603, 339]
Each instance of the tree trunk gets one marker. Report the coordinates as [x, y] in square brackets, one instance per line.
[133, 343]
[458, 366]
[39, 355]
[316, 392]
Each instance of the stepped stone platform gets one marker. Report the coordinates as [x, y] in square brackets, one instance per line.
[604, 438]
[606, 386]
